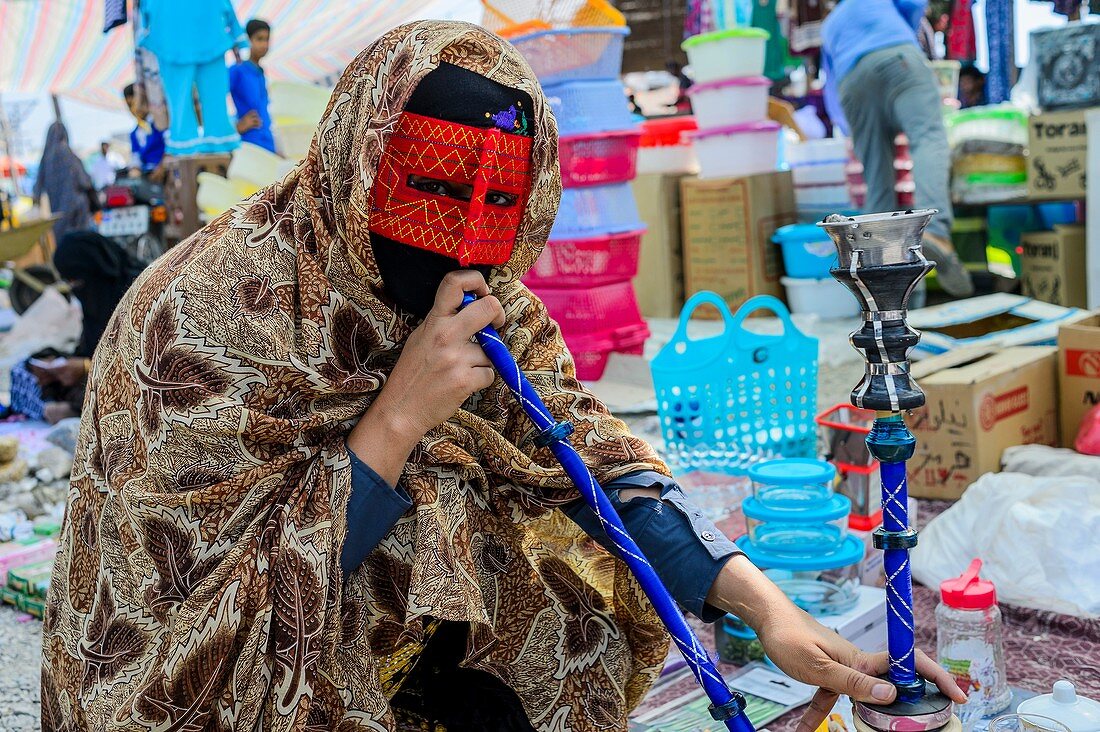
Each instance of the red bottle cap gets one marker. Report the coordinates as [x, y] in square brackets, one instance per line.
[969, 592]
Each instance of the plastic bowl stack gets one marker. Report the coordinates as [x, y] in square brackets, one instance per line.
[819, 170]
[808, 255]
[584, 274]
[798, 534]
[730, 99]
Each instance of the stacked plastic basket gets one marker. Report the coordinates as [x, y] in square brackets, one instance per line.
[584, 274]
[730, 101]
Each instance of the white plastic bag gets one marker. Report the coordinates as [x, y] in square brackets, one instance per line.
[1037, 535]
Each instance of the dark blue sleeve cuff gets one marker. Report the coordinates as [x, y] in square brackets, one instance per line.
[373, 509]
[686, 549]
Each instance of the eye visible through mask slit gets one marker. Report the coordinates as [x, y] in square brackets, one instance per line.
[452, 184]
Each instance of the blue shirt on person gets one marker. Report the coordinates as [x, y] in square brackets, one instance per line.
[854, 29]
[147, 146]
[248, 87]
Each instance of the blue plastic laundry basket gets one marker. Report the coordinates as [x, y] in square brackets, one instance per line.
[596, 211]
[573, 54]
[728, 401]
[586, 107]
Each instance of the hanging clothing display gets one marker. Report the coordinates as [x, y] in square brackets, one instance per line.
[189, 41]
[962, 45]
[114, 14]
[999, 31]
[777, 59]
[806, 28]
[147, 71]
[699, 18]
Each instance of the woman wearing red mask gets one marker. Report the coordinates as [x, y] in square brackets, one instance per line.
[303, 498]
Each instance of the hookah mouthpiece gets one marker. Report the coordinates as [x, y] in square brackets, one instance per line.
[881, 261]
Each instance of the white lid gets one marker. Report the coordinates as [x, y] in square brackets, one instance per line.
[1079, 713]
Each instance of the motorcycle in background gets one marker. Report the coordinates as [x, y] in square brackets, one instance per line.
[134, 216]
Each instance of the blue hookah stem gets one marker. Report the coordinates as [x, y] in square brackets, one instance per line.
[704, 670]
[891, 442]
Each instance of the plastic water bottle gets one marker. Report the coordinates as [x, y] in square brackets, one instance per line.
[970, 639]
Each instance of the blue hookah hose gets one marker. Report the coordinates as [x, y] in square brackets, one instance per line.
[727, 706]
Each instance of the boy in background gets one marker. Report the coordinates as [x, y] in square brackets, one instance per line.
[248, 87]
[147, 143]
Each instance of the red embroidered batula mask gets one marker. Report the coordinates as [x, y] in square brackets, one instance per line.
[497, 167]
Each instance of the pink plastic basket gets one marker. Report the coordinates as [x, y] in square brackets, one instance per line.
[584, 311]
[591, 160]
[599, 260]
[592, 351]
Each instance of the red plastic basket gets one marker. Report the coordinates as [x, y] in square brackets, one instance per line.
[592, 160]
[592, 310]
[598, 260]
[845, 429]
[666, 131]
[592, 351]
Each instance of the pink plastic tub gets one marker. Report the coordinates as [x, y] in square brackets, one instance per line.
[598, 260]
[583, 311]
[737, 150]
[592, 160]
[592, 351]
[730, 101]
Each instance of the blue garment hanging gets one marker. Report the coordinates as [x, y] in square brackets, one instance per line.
[999, 36]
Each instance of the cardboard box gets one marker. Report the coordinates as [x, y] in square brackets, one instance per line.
[660, 281]
[1052, 265]
[979, 401]
[1056, 154]
[1078, 371]
[727, 229]
[1000, 320]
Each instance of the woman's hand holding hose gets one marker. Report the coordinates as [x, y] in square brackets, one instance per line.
[439, 368]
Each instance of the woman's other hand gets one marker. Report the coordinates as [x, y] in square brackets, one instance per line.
[439, 368]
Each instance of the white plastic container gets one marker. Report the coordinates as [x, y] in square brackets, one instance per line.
[826, 298]
[828, 150]
[726, 54]
[816, 174]
[821, 196]
[738, 150]
[730, 101]
[295, 139]
[668, 159]
[253, 164]
[1078, 713]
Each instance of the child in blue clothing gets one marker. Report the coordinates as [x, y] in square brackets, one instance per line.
[147, 143]
[248, 87]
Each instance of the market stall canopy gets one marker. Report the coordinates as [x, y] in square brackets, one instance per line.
[58, 47]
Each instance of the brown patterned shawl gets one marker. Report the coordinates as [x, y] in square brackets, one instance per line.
[198, 584]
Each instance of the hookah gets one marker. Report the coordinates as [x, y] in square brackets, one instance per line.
[880, 262]
[727, 706]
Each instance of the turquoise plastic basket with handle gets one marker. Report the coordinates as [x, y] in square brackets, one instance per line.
[733, 399]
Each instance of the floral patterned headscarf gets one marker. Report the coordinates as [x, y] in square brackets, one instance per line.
[198, 585]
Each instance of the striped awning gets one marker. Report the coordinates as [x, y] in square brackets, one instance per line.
[58, 46]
